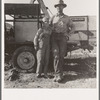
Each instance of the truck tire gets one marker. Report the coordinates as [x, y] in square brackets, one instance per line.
[24, 59]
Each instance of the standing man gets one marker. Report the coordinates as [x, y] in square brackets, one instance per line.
[62, 28]
[42, 46]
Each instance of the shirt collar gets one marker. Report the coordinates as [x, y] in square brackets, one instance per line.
[60, 14]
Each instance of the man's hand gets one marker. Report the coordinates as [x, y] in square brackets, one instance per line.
[70, 33]
[36, 48]
[67, 36]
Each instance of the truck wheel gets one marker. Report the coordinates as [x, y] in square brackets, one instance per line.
[24, 59]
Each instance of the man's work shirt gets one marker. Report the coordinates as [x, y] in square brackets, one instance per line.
[62, 24]
[42, 37]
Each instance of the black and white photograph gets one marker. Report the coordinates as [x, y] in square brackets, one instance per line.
[50, 44]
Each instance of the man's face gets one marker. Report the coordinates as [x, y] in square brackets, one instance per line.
[46, 23]
[60, 8]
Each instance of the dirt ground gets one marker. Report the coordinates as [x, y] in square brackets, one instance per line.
[76, 75]
[72, 80]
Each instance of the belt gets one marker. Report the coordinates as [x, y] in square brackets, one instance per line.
[60, 35]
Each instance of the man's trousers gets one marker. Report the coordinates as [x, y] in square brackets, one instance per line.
[43, 59]
[59, 47]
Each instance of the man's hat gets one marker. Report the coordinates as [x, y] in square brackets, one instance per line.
[60, 2]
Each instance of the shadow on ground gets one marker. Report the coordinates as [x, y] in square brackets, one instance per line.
[75, 69]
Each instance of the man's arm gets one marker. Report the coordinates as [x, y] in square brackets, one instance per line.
[36, 38]
[51, 21]
[71, 27]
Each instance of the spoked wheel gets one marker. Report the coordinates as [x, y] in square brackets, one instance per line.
[24, 59]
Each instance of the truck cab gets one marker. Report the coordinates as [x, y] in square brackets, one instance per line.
[25, 20]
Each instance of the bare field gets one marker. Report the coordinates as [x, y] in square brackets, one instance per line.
[76, 75]
[72, 80]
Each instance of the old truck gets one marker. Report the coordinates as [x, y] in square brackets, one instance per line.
[25, 20]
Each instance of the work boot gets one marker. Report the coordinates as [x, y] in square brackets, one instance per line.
[38, 75]
[55, 78]
[46, 76]
[59, 79]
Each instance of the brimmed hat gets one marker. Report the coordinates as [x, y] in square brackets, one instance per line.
[60, 2]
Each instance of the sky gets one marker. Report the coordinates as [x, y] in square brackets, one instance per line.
[74, 7]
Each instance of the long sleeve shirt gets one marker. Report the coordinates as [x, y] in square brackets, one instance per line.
[62, 24]
[43, 34]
